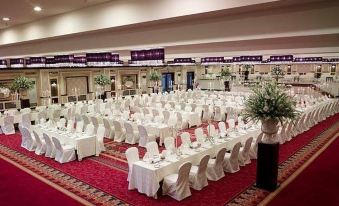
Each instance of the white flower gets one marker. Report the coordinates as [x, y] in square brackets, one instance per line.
[267, 97]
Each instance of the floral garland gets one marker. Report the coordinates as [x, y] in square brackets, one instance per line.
[277, 71]
[154, 76]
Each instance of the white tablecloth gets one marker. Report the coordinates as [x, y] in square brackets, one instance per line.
[146, 178]
[85, 145]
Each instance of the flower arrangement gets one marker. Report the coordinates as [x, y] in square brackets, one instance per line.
[269, 102]
[154, 76]
[102, 80]
[277, 72]
[22, 83]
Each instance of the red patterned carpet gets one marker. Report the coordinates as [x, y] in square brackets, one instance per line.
[316, 185]
[102, 180]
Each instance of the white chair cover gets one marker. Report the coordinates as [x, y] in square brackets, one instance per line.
[40, 144]
[30, 143]
[80, 127]
[254, 147]
[185, 139]
[63, 154]
[89, 129]
[132, 136]
[222, 129]
[132, 155]
[119, 132]
[109, 132]
[152, 148]
[8, 127]
[50, 148]
[100, 140]
[231, 163]
[177, 185]
[215, 169]
[244, 157]
[144, 138]
[199, 135]
[169, 144]
[197, 176]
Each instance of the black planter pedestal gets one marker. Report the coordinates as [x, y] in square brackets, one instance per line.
[25, 103]
[267, 166]
[227, 86]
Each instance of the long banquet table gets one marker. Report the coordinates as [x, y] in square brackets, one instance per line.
[146, 177]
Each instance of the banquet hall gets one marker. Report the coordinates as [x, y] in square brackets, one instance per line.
[171, 102]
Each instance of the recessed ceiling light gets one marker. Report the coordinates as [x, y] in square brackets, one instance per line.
[5, 19]
[37, 8]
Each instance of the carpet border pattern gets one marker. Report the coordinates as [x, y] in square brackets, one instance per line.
[71, 184]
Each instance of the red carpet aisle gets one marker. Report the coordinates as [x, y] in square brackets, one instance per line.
[20, 188]
[102, 180]
[317, 185]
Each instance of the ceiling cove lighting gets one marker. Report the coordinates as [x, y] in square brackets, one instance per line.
[37, 8]
[5, 19]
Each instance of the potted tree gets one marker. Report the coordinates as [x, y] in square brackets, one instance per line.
[154, 77]
[270, 105]
[22, 84]
[101, 81]
[277, 72]
[226, 74]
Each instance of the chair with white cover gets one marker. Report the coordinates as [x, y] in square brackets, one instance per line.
[217, 114]
[212, 131]
[80, 126]
[65, 153]
[199, 135]
[50, 148]
[100, 139]
[62, 122]
[181, 123]
[244, 156]
[70, 125]
[40, 144]
[169, 144]
[152, 148]
[231, 123]
[30, 143]
[8, 127]
[26, 120]
[231, 162]
[222, 129]
[132, 136]
[119, 132]
[166, 115]
[185, 139]
[109, 132]
[158, 119]
[215, 170]
[89, 129]
[132, 155]
[177, 185]
[144, 137]
[86, 120]
[254, 146]
[197, 176]
[95, 123]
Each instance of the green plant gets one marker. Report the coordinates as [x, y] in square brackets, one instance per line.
[247, 67]
[269, 102]
[225, 72]
[102, 80]
[154, 76]
[128, 78]
[277, 72]
[23, 83]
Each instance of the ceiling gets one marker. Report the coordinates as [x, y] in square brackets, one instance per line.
[21, 11]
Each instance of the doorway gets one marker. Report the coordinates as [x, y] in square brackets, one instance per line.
[190, 80]
[167, 82]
